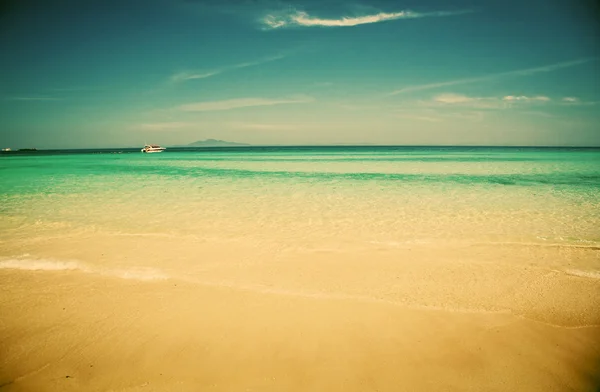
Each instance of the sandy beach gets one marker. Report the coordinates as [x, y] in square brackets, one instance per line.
[304, 323]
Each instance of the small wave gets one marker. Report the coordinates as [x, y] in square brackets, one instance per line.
[143, 274]
[583, 274]
[544, 243]
[135, 273]
[39, 265]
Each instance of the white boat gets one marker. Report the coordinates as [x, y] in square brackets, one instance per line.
[153, 148]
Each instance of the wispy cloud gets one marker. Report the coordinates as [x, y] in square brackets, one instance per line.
[451, 100]
[183, 76]
[190, 75]
[521, 72]
[259, 62]
[487, 102]
[521, 102]
[455, 98]
[523, 98]
[241, 103]
[294, 18]
[551, 67]
[574, 101]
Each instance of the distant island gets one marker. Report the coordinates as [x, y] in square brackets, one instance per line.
[214, 143]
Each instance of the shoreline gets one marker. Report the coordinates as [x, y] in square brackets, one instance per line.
[107, 333]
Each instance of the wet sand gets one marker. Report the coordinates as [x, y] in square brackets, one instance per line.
[304, 323]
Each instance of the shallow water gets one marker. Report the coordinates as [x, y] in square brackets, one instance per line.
[462, 229]
[324, 196]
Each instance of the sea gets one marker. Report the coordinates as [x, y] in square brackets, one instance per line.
[185, 210]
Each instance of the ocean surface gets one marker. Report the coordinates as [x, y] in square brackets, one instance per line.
[68, 204]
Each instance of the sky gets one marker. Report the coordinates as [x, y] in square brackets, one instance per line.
[90, 74]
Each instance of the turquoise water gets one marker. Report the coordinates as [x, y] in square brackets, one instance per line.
[310, 196]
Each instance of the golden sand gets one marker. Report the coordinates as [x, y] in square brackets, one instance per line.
[369, 321]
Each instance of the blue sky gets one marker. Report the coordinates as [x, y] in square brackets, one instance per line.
[121, 73]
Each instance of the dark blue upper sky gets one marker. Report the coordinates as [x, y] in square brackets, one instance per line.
[121, 73]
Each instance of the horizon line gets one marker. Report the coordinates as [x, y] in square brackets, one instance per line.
[247, 145]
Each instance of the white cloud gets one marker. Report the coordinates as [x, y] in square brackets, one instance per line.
[301, 18]
[521, 102]
[274, 22]
[523, 98]
[241, 103]
[490, 102]
[450, 99]
[521, 72]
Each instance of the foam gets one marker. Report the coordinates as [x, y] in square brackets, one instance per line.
[25, 263]
[142, 274]
[583, 274]
[39, 265]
